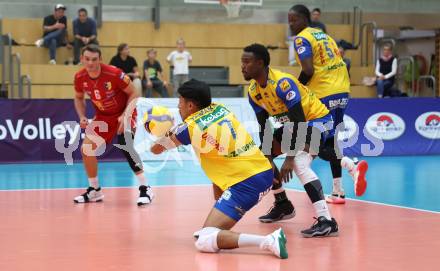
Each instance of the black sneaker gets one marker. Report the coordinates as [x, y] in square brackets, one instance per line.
[322, 228]
[145, 195]
[279, 211]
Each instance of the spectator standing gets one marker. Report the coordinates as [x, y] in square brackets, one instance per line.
[153, 77]
[54, 32]
[84, 31]
[128, 65]
[180, 59]
[316, 20]
[346, 60]
[386, 69]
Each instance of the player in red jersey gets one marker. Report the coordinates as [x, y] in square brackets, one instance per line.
[111, 91]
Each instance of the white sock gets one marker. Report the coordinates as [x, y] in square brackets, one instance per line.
[337, 185]
[250, 240]
[93, 182]
[141, 179]
[348, 164]
[321, 209]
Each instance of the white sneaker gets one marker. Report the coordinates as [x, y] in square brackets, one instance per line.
[145, 196]
[91, 195]
[276, 243]
[52, 62]
[39, 43]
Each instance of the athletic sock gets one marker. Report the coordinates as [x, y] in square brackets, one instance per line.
[250, 240]
[321, 209]
[141, 179]
[93, 182]
[280, 195]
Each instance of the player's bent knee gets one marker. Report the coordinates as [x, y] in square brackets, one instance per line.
[206, 239]
[302, 168]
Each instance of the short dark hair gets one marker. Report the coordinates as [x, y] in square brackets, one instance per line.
[302, 10]
[260, 52]
[121, 47]
[196, 91]
[82, 10]
[317, 9]
[91, 48]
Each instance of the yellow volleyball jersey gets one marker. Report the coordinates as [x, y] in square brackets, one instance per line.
[283, 91]
[331, 74]
[227, 152]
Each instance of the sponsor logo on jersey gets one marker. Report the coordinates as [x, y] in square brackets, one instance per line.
[298, 42]
[290, 95]
[108, 86]
[428, 125]
[204, 121]
[385, 125]
[285, 85]
[258, 97]
[319, 36]
[301, 50]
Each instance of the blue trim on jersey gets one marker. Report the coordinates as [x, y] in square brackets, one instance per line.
[325, 125]
[303, 48]
[182, 134]
[256, 107]
[289, 94]
[241, 197]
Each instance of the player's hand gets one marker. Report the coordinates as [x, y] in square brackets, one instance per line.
[83, 122]
[287, 169]
[165, 83]
[149, 84]
[382, 77]
[59, 26]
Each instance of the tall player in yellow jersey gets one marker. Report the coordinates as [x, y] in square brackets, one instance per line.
[325, 74]
[240, 173]
[306, 123]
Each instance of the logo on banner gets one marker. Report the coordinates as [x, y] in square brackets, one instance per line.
[350, 129]
[385, 125]
[428, 125]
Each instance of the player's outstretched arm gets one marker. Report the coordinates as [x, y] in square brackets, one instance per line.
[167, 142]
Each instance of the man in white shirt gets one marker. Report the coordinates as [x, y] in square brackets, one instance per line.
[180, 59]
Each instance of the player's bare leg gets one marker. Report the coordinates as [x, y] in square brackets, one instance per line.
[282, 208]
[216, 235]
[93, 193]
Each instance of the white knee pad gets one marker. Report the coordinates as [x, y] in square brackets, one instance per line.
[302, 167]
[207, 239]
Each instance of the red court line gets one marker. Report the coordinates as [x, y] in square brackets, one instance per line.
[44, 230]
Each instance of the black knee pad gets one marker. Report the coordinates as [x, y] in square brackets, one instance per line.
[133, 158]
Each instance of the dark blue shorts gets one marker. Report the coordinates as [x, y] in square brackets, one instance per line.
[241, 197]
[336, 104]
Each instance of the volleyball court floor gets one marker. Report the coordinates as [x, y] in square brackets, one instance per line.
[394, 226]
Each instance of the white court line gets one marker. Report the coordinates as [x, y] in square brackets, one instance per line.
[201, 185]
[378, 203]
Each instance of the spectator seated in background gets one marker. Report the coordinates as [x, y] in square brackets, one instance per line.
[316, 17]
[386, 69]
[153, 78]
[180, 59]
[84, 31]
[128, 65]
[347, 61]
[55, 32]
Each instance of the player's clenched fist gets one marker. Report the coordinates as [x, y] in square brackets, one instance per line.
[83, 122]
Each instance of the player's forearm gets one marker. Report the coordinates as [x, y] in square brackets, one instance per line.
[165, 143]
[80, 107]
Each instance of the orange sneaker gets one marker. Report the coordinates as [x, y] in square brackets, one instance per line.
[360, 183]
[335, 198]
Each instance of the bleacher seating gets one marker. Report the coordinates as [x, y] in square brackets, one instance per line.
[212, 45]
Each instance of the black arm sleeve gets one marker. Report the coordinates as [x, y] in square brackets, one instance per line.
[296, 113]
[304, 78]
[262, 118]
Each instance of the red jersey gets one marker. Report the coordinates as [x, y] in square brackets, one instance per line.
[106, 91]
